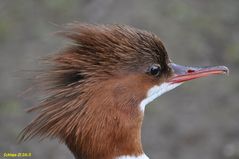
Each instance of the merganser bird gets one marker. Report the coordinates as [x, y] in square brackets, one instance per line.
[97, 89]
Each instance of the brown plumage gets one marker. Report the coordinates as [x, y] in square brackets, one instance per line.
[98, 86]
[94, 87]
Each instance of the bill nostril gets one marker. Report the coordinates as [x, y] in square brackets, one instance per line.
[190, 71]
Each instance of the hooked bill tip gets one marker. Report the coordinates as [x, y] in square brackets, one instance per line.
[225, 70]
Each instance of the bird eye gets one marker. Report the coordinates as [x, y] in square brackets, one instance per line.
[154, 70]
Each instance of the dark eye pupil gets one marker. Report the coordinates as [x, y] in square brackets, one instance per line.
[155, 70]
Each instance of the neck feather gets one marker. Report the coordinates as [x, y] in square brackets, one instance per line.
[107, 127]
[102, 126]
[143, 156]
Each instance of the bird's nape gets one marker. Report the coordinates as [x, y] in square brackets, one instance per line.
[98, 86]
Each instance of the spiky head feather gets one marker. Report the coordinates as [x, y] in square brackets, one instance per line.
[78, 74]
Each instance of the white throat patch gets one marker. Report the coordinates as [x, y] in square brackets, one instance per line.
[143, 156]
[157, 91]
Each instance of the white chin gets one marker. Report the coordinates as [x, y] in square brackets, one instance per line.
[157, 91]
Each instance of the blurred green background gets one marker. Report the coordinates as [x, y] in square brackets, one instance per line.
[198, 120]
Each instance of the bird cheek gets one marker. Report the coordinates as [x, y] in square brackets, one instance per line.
[157, 91]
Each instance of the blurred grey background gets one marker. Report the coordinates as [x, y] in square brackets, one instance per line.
[198, 120]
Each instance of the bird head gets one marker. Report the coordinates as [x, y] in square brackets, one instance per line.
[98, 88]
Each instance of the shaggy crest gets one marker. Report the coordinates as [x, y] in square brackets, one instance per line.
[97, 89]
[77, 74]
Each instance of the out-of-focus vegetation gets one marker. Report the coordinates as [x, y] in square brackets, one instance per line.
[199, 120]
